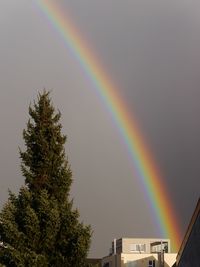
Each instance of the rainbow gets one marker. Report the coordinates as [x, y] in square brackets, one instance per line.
[149, 177]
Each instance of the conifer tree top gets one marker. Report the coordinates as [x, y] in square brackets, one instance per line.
[44, 164]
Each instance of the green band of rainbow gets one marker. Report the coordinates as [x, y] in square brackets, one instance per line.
[148, 174]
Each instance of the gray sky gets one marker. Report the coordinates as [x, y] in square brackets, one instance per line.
[150, 49]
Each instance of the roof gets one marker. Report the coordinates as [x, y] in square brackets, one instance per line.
[191, 225]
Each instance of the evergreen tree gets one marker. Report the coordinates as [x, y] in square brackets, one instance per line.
[39, 226]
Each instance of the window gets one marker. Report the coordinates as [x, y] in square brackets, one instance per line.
[152, 263]
[159, 246]
[137, 248]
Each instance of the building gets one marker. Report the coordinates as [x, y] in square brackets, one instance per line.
[140, 252]
[189, 253]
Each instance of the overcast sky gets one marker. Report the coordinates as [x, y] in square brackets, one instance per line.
[150, 49]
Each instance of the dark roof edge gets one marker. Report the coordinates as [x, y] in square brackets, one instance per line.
[188, 232]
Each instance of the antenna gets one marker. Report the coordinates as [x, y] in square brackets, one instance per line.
[114, 244]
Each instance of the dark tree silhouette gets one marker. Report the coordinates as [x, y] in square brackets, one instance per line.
[39, 226]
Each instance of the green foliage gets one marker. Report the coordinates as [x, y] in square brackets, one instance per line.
[39, 226]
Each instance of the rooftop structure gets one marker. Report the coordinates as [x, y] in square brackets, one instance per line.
[140, 252]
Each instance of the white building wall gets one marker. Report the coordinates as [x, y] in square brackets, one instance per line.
[137, 260]
[142, 260]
